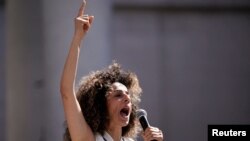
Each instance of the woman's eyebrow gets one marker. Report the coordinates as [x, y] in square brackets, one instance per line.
[121, 91]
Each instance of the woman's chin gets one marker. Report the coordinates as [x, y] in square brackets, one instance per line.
[124, 120]
[124, 123]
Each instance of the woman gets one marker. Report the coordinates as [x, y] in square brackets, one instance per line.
[103, 109]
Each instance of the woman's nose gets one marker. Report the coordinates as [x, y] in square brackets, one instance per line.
[127, 98]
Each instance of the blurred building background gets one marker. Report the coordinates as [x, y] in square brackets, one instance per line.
[192, 58]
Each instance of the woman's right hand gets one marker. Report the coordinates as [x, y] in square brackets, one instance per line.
[152, 134]
[82, 22]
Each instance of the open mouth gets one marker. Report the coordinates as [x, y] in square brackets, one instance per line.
[124, 112]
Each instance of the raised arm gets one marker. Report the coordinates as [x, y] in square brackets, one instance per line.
[78, 127]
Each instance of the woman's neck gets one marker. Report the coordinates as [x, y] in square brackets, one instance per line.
[115, 132]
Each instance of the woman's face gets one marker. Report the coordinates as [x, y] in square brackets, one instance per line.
[119, 104]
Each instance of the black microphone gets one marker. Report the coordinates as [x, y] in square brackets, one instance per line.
[142, 116]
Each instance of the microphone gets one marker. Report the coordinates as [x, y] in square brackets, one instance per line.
[141, 114]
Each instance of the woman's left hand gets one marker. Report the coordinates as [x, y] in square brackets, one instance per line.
[152, 133]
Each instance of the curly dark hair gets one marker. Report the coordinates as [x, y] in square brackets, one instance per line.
[91, 96]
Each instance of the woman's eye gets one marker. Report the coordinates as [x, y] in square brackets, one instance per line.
[118, 95]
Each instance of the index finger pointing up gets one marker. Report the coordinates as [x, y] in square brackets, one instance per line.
[82, 8]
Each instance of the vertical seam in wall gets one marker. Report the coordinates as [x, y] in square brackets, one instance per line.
[161, 51]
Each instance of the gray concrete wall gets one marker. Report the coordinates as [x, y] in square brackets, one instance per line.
[207, 72]
[24, 70]
[2, 74]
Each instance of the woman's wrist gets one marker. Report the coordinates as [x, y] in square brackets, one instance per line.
[76, 41]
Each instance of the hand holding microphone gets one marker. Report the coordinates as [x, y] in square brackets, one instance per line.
[150, 133]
